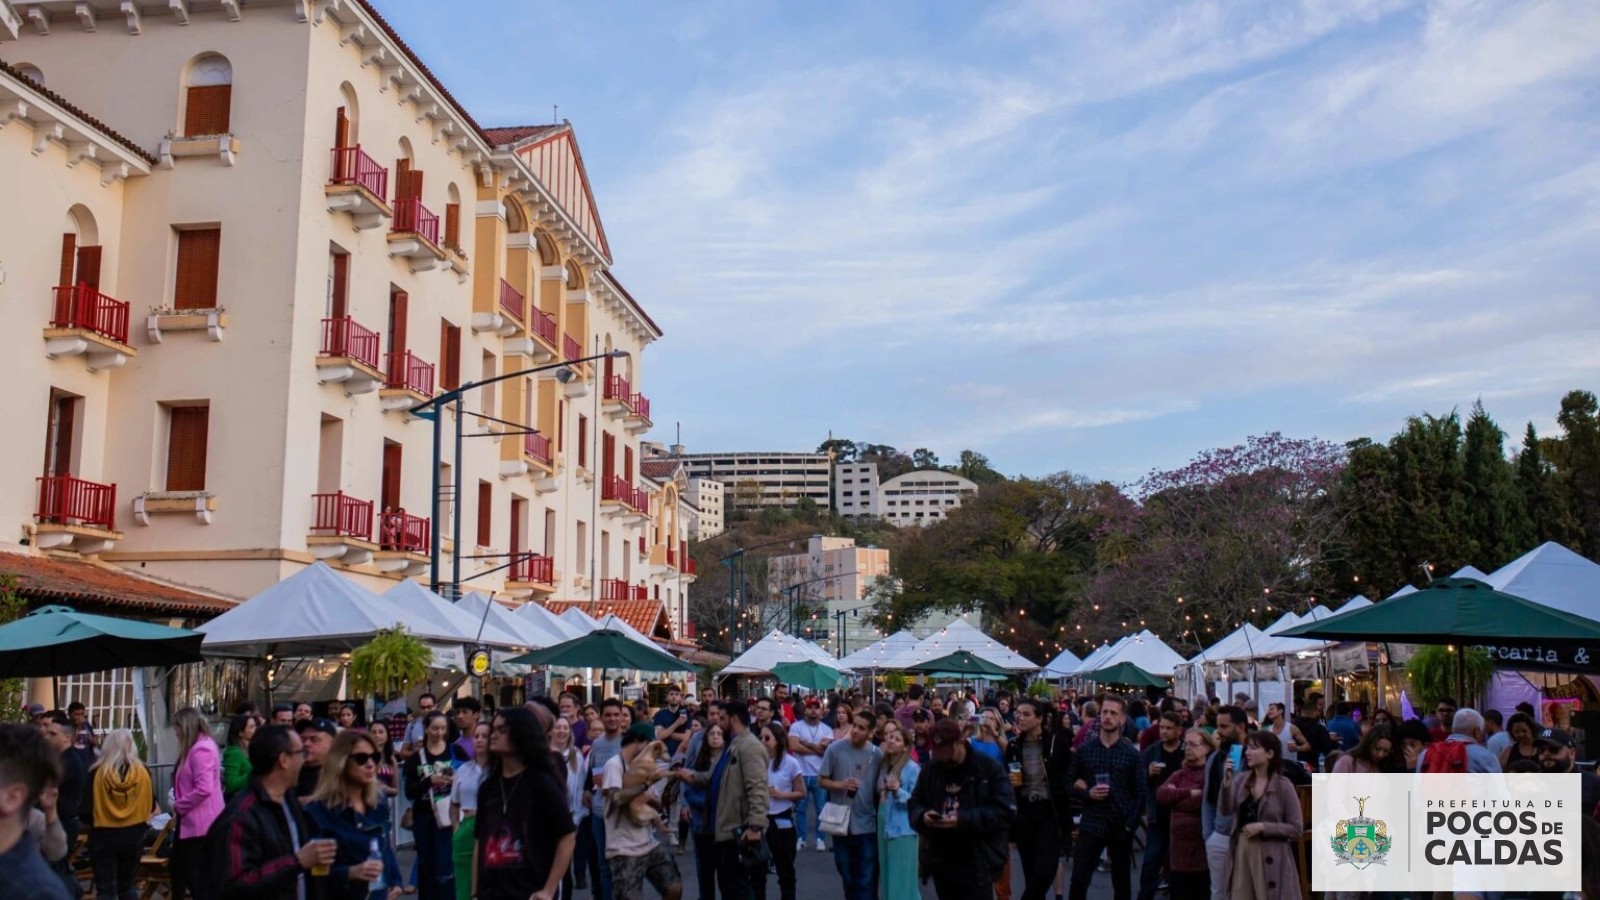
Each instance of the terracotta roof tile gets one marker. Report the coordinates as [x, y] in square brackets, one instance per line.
[659, 469]
[65, 104]
[516, 134]
[422, 67]
[104, 588]
[647, 616]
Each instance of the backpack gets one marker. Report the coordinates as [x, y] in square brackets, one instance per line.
[1446, 756]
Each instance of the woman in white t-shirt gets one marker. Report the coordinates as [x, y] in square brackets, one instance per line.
[785, 784]
[464, 808]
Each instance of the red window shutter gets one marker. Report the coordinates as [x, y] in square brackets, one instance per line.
[341, 129]
[516, 525]
[339, 302]
[583, 442]
[399, 301]
[561, 425]
[608, 450]
[390, 501]
[207, 110]
[627, 464]
[485, 513]
[449, 356]
[402, 179]
[186, 448]
[415, 189]
[88, 267]
[452, 225]
[198, 255]
[69, 258]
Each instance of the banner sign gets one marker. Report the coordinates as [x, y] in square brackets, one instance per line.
[1558, 658]
[1432, 832]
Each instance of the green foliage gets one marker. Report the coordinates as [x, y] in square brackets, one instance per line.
[1432, 671]
[1542, 496]
[391, 663]
[12, 608]
[1042, 689]
[1498, 528]
[1579, 419]
[896, 682]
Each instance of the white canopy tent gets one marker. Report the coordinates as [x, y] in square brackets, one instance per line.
[1092, 661]
[1553, 576]
[527, 632]
[1144, 650]
[581, 621]
[873, 656]
[437, 619]
[313, 612]
[1244, 642]
[616, 623]
[548, 623]
[775, 648]
[961, 635]
[1063, 665]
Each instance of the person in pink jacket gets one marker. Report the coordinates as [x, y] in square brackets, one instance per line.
[196, 800]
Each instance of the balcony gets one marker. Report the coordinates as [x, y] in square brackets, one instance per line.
[341, 528]
[537, 447]
[511, 300]
[407, 381]
[358, 186]
[617, 397]
[530, 573]
[616, 590]
[505, 319]
[88, 323]
[76, 514]
[402, 543]
[543, 326]
[638, 419]
[415, 235]
[689, 568]
[570, 348]
[349, 356]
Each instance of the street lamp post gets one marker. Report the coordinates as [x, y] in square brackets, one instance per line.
[432, 409]
[736, 593]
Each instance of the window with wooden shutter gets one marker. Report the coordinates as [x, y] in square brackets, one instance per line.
[88, 267]
[69, 258]
[583, 442]
[402, 179]
[561, 425]
[341, 128]
[608, 453]
[186, 447]
[449, 356]
[198, 256]
[207, 110]
[485, 513]
[339, 285]
[452, 226]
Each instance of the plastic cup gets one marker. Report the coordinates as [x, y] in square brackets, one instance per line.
[1016, 774]
[321, 869]
[1102, 779]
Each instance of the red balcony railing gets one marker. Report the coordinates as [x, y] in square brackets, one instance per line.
[641, 500]
[642, 549]
[68, 500]
[688, 565]
[535, 567]
[340, 514]
[510, 300]
[538, 447]
[352, 166]
[617, 388]
[406, 371]
[639, 592]
[400, 530]
[411, 216]
[617, 488]
[83, 306]
[543, 324]
[640, 406]
[346, 337]
[615, 589]
[570, 348]
[672, 556]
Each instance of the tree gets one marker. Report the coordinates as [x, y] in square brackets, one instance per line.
[1542, 496]
[844, 451]
[975, 468]
[890, 462]
[12, 608]
[1430, 486]
[923, 458]
[746, 493]
[1371, 559]
[1498, 528]
[1580, 466]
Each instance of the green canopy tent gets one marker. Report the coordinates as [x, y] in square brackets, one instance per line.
[1456, 611]
[604, 649]
[809, 674]
[1124, 673]
[58, 640]
[962, 664]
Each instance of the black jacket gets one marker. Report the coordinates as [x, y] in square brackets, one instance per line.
[987, 808]
[1058, 768]
[250, 853]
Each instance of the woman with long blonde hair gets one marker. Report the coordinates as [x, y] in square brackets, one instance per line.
[348, 808]
[123, 801]
[196, 797]
[897, 842]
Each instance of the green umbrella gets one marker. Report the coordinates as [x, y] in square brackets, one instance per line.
[1125, 673]
[962, 664]
[603, 649]
[809, 674]
[1451, 611]
[57, 640]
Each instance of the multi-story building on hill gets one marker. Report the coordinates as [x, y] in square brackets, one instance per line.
[754, 480]
[241, 241]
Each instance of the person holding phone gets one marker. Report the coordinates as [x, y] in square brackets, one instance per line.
[963, 806]
[1110, 781]
[1221, 766]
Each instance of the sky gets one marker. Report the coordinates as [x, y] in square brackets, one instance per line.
[1096, 237]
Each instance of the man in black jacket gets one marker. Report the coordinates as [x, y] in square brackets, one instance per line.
[261, 847]
[1161, 760]
[1040, 764]
[962, 806]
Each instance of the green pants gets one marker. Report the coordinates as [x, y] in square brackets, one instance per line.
[461, 844]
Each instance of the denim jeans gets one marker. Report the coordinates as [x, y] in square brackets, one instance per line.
[807, 806]
[1155, 859]
[856, 858]
[599, 869]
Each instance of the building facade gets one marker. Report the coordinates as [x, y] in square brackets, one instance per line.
[276, 234]
[756, 480]
[857, 489]
[921, 497]
[831, 578]
[709, 498]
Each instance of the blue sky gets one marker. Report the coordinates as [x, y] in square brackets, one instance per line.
[1095, 237]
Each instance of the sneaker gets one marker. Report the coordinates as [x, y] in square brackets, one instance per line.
[821, 847]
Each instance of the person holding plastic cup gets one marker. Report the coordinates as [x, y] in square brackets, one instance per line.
[1110, 781]
[262, 843]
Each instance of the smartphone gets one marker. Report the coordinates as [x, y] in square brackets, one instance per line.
[1236, 755]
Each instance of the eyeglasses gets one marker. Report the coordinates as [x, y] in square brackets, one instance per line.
[362, 759]
[1446, 709]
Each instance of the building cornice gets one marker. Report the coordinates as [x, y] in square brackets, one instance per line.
[614, 299]
[55, 120]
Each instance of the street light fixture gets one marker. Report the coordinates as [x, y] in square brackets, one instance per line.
[431, 410]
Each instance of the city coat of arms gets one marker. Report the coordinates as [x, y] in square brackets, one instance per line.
[1361, 841]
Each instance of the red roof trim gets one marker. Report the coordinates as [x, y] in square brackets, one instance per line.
[423, 68]
[76, 581]
[644, 616]
[67, 105]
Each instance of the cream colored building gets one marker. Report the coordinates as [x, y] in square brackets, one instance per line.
[282, 233]
[921, 497]
[832, 577]
[710, 499]
[762, 479]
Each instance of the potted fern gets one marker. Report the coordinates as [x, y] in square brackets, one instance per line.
[1437, 671]
[392, 663]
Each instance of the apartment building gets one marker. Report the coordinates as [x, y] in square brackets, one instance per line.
[753, 480]
[709, 499]
[857, 489]
[921, 497]
[832, 577]
[242, 243]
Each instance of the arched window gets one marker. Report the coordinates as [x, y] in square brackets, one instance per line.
[347, 121]
[452, 218]
[208, 97]
[32, 73]
[80, 249]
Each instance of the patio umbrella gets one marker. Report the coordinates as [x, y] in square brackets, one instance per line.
[809, 674]
[962, 664]
[604, 649]
[1455, 611]
[57, 640]
[1125, 673]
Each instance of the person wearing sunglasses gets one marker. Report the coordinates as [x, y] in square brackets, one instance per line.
[347, 807]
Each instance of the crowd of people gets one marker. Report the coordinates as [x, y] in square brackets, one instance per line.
[537, 801]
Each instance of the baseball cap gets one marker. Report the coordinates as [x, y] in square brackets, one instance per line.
[812, 701]
[1556, 737]
[34, 709]
[322, 725]
[945, 733]
[639, 732]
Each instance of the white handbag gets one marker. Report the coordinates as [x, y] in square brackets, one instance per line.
[834, 819]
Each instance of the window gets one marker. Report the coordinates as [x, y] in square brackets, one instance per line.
[583, 442]
[209, 97]
[449, 356]
[32, 73]
[199, 252]
[485, 512]
[338, 284]
[187, 428]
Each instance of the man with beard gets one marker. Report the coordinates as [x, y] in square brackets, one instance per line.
[1558, 756]
[1214, 826]
[1161, 760]
[963, 806]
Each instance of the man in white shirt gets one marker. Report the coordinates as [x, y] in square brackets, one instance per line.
[807, 739]
[633, 852]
